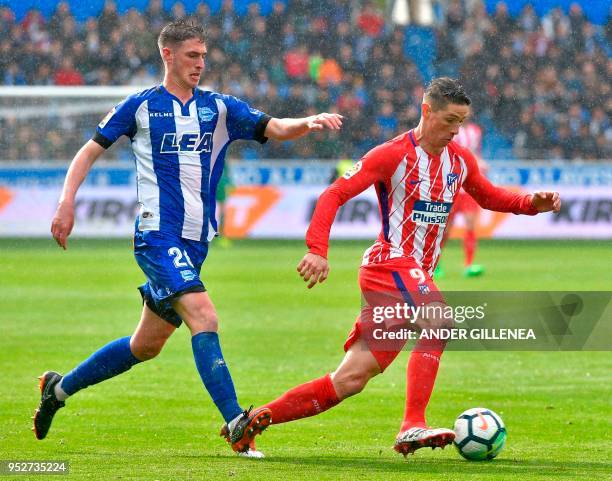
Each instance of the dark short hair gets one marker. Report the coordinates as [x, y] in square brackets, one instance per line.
[444, 90]
[179, 31]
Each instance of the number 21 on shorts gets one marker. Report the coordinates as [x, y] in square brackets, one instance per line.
[177, 258]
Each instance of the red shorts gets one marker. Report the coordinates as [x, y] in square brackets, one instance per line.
[388, 289]
[464, 203]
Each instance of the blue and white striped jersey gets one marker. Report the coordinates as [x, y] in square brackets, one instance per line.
[179, 152]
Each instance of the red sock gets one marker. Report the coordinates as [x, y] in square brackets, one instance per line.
[420, 378]
[469, 246]
[305, 400]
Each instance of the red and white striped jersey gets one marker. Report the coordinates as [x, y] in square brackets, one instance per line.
[415, 193]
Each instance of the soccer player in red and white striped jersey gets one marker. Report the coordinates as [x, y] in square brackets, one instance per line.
[416, 176]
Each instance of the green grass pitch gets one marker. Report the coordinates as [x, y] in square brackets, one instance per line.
[157, 423]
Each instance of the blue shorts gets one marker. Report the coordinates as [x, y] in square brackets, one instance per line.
[172, 266]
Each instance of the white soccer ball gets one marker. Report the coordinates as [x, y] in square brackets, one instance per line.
[479, 434]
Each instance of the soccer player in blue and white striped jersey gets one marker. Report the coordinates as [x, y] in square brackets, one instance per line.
[179, 136]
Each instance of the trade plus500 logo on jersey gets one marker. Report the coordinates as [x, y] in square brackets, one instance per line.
[425, 212]
[192, 142]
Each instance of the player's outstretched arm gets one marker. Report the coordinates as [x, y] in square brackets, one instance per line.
[290, 129]
[498, 199]
[63, 221]
[495, 198]
[313, 268]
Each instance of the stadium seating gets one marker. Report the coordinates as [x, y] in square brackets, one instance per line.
[537, 76]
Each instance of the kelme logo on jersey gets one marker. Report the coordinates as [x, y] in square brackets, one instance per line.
[192, 142]
[425, 212]
[206, 114]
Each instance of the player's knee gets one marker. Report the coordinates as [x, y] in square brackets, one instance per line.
[349, 384]
[146, 350]
[440, 323]
[437, 321]
[204, 319]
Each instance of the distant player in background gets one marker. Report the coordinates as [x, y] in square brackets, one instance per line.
[179, 136]
[417, 176]
[470, 137]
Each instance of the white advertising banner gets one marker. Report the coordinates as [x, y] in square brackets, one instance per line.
[99, 211]
[284, 212]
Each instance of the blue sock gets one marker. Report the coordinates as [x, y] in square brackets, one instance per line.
[109, 361]
[215, 374]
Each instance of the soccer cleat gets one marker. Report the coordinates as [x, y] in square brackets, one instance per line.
[49, 404]
[409, 441]
[473, 270]
[252, 452]
[243, 432]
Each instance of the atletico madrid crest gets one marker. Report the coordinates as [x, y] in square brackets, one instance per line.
[451, 182]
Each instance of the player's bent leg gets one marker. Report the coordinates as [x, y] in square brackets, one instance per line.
[319, 395]
[356, 369]
[150, 335]
[198, 312]
[109, 361]
[314, 397]
[358, 366]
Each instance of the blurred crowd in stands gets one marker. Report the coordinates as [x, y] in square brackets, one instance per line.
[540, 81]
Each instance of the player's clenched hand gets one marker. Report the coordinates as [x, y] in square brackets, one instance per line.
[325, 121]
[62, 223]
[546, 201]
[313, 268]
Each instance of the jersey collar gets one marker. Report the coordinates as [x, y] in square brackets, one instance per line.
[413, 139]
[174, 97]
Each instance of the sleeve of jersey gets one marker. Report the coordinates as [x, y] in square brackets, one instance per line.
[492, 197]
[244, 122]
[377, 165]
[119, 121]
